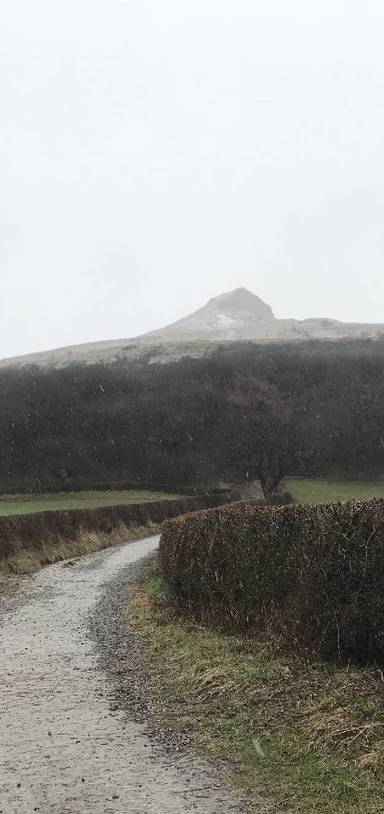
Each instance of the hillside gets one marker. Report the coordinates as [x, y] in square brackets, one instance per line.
[234, 316]
[311, 408]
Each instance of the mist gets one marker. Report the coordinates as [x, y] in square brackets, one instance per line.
[154, 155]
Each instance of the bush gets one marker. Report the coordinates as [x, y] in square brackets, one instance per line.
[314, 574]
[31, 531]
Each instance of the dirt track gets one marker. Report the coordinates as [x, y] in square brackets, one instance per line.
[62, 748]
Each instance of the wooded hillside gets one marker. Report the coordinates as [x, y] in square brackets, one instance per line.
[245, 410]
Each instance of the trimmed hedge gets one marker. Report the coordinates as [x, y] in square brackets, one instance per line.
[30, 531]
[314, 574]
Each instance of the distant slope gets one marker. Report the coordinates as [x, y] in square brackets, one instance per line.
[230, 317]
[225, 317]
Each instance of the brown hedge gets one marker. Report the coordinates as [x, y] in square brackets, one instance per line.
[314, 574]
[30, 531]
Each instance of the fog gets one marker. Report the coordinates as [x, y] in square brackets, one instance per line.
[155, 153]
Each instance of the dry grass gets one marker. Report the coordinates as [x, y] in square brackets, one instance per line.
[309, 735]
[27, 561]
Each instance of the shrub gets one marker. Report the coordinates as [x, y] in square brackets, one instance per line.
[30, 531]
[314, 574]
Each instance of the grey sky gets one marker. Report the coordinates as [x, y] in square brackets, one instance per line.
[155, 153]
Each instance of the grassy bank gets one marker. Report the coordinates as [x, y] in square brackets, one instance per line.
[310, 737]
[30, 540]
[30, 503]
[27, 561]
[328, 490]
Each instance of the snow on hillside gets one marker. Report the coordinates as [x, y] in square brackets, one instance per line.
[233, 316]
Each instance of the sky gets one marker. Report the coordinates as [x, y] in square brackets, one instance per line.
[156, 153]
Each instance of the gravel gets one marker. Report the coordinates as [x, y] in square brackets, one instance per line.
[120, 657]
[78, 734]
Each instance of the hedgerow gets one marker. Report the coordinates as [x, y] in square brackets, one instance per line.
[313, 574]
[20, 533]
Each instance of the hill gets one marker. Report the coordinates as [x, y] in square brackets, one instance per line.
[312, 408]
[234, 316]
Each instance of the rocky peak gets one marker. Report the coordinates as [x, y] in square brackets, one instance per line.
[230, 316]
[241, 302]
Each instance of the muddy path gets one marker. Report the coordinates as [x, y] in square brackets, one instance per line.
[64, 747]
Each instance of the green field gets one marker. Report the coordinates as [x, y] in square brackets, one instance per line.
[328, 490]
[26, 504]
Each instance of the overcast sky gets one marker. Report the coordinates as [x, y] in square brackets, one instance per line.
[155, 153]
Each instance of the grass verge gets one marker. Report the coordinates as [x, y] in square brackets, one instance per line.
[328, 490]
[30, 503]
[308, 736]
[29, 560]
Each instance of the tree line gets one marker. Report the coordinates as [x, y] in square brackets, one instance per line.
[244, 411]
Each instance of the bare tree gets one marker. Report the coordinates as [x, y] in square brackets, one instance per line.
[268, 428]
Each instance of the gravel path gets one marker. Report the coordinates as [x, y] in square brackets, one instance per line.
[66, 746]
